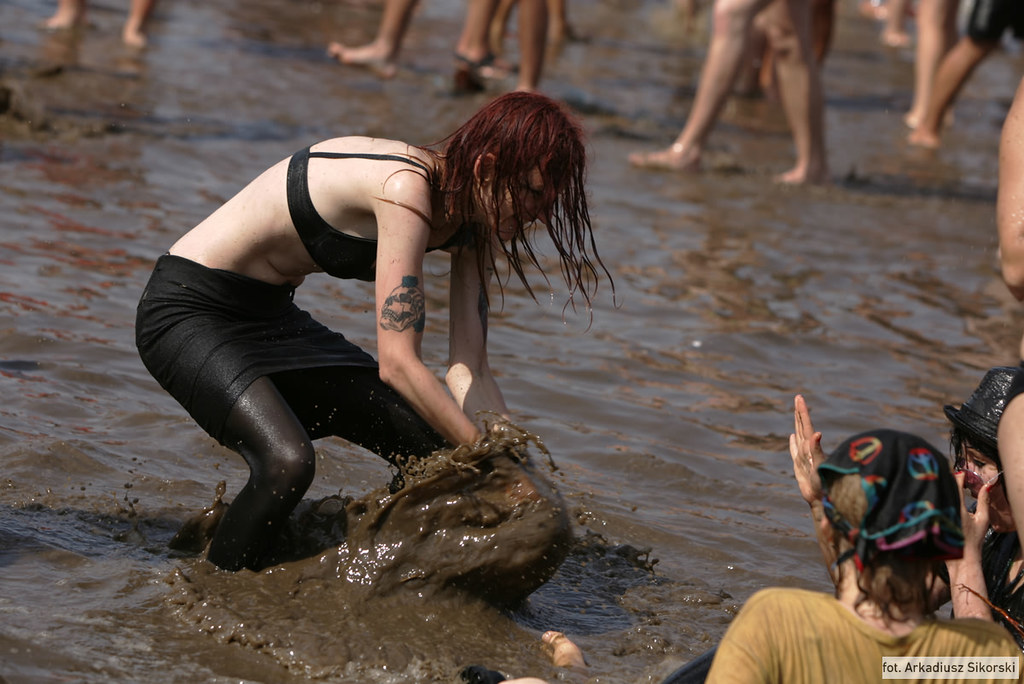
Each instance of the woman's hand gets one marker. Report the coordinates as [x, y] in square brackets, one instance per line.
[975, 525]
[967, 571]
[805, 448]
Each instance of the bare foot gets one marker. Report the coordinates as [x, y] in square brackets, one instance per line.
[561, 31]
[673, 158]
[564, 653]
[895, 39]
[873, 10]
[911, 119]
[372, 56]
[63, 20]
[803, 176]
[919, 137]
[134, 38]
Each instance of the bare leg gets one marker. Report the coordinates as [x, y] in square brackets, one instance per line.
[822, 28]
[757, 75]
[533, 32]
[138, 12]
[69, 13]
[730, 34]
[823, 20]
[473, 42]
[955, 69]
[799, 88]
[895, 32]
[475, 62]
[559, 28]
[874, 9]
[936, 32]
[499, 26]
[382, 54]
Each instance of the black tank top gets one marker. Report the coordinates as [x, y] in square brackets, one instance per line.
[997, 555]
[338, 254]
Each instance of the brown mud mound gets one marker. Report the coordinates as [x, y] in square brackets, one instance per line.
[471, 530]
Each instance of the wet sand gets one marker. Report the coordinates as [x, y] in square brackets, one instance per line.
[877, 298]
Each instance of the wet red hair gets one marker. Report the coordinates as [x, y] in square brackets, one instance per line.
[526, 131]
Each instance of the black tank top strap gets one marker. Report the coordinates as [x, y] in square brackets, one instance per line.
[378, 157]
[308, 223]
[336, 253]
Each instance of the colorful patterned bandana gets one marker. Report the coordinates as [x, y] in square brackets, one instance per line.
[913, 503]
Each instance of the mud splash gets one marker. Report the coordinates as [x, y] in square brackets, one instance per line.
[480, 526]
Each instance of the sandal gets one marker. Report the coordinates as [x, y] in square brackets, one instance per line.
[471, 74]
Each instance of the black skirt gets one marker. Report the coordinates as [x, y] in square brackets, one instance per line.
[206, 334]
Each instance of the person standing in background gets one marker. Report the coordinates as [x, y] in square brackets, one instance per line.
[799, 81]
[986, 23]
[936, 33]
[71, 13]
[475, 62]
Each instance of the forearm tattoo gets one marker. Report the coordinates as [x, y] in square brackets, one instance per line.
[405, 307]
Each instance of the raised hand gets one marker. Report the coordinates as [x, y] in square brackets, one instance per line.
[805, 448]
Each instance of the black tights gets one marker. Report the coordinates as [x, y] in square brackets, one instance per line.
[273, 425]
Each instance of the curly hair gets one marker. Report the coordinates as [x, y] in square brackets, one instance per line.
[895, 584]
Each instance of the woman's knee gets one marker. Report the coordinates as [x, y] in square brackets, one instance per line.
[288, 470]
[788, 32]
[784, 42]
[735, 16]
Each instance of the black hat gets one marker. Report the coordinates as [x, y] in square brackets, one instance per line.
[978, 417]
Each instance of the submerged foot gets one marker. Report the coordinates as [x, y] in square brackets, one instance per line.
[673, 158]
[911, 119]
[374, 58]
[919, 137]
[804, 176]
[564, 653]
[896, 39]
[62, 21]
[134, 38]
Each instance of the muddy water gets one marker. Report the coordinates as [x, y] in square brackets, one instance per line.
[667, 419]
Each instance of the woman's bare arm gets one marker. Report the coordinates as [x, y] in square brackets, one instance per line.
[469, 375]
[1010, 197]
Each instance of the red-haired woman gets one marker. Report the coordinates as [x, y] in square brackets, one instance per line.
[218, 329]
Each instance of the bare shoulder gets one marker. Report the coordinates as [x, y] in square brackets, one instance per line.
[385, 148]
[359, 170]
[357, 184]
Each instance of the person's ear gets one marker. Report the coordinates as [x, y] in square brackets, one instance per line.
[483, 168]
